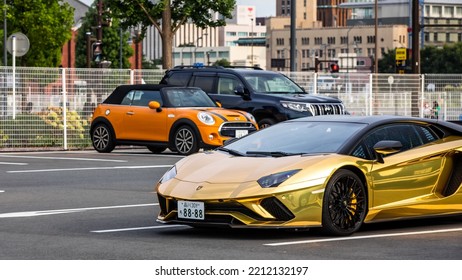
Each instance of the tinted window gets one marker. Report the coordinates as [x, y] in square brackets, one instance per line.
[179, 79]
[204, 82]
[298, 138]
[409, 135]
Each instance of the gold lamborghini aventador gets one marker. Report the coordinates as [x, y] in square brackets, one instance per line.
[334, 172]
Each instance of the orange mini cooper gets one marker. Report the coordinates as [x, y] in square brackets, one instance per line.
[183, 119]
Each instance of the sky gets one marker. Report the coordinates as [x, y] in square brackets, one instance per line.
[265, 8]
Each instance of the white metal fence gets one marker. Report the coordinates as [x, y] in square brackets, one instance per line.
[50, 108]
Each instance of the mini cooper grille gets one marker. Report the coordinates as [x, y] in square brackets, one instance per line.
[277, 209]
[229, 129]
[317, 109]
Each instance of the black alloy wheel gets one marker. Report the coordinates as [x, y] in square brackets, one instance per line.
[102, 139]
[344, 204]
[185, 141]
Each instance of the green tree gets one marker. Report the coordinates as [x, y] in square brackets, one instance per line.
[47, 24]
[222, 62]
[441, 60]
[387, 64]
[111, 40]
[168, 15]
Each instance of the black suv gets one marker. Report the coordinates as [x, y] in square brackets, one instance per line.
[269, 96]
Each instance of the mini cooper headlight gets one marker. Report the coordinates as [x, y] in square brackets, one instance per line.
[206, 118]
[274, 180]
[171, 173]
[296, 106]
[250, 117]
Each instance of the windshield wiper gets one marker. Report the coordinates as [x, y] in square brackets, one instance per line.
[271, 154]
[231, 152]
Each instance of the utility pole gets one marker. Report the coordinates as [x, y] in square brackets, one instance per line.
[293, 35]
[415, 37]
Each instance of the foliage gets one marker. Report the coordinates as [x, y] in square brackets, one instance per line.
[44, 129]
[433, 60]
[46, 23]
[441, 60]
[222, 62]
[110, 44]
[168, 15]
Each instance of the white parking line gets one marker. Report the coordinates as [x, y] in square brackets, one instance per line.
[90, 168]
[67, 211]
[63, 158]
[13, 163]
[364, 237]
[137, 228]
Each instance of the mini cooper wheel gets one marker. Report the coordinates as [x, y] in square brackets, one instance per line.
[344, 204]
[185, 141]
[102, 138]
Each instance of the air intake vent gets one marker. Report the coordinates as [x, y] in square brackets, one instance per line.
[277, 209]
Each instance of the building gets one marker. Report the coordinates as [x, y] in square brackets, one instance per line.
[441, 19]
[351, 47]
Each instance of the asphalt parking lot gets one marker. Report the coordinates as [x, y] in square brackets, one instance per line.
[85, 205]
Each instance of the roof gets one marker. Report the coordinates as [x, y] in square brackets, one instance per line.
[376, 120]
[119, 92]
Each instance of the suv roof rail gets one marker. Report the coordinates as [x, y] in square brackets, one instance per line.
[217, 67]
[196, 66]
[246, 67]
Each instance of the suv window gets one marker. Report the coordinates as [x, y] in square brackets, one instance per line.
[227, 85]
[179, 79]
[203, 82]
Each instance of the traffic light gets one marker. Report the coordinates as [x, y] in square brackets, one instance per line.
[334, 68]
[97, 52]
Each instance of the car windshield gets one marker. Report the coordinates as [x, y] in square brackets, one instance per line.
[295, 138]
[188, 97]
[272, 83]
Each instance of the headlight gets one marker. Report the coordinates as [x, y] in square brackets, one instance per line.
[171, 173]
[276, 179]
[206, 118]
[250, 117]
[296, 106]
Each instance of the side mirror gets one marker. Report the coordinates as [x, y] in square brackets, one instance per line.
[155, 106]
[218, 104]
[386, 147]
[240, 90]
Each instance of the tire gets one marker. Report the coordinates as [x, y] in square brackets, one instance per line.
[344, 204]
[264, 123]
[185, 141]
[102, 138]
[156, 149]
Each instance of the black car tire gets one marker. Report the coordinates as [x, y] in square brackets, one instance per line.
[344, 204]
[266, 123]
[102, 138]
[185, 141]
[156, 149]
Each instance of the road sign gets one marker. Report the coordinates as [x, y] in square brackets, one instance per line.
[401, 54]
[22, 44]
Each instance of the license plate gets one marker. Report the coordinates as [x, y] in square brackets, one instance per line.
[240, 133]
[191, 210]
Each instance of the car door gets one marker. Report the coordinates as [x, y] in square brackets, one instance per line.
[224, 93]
[412, 174]
[142, 123]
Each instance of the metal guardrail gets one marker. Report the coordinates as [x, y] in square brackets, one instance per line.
[50, 108]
